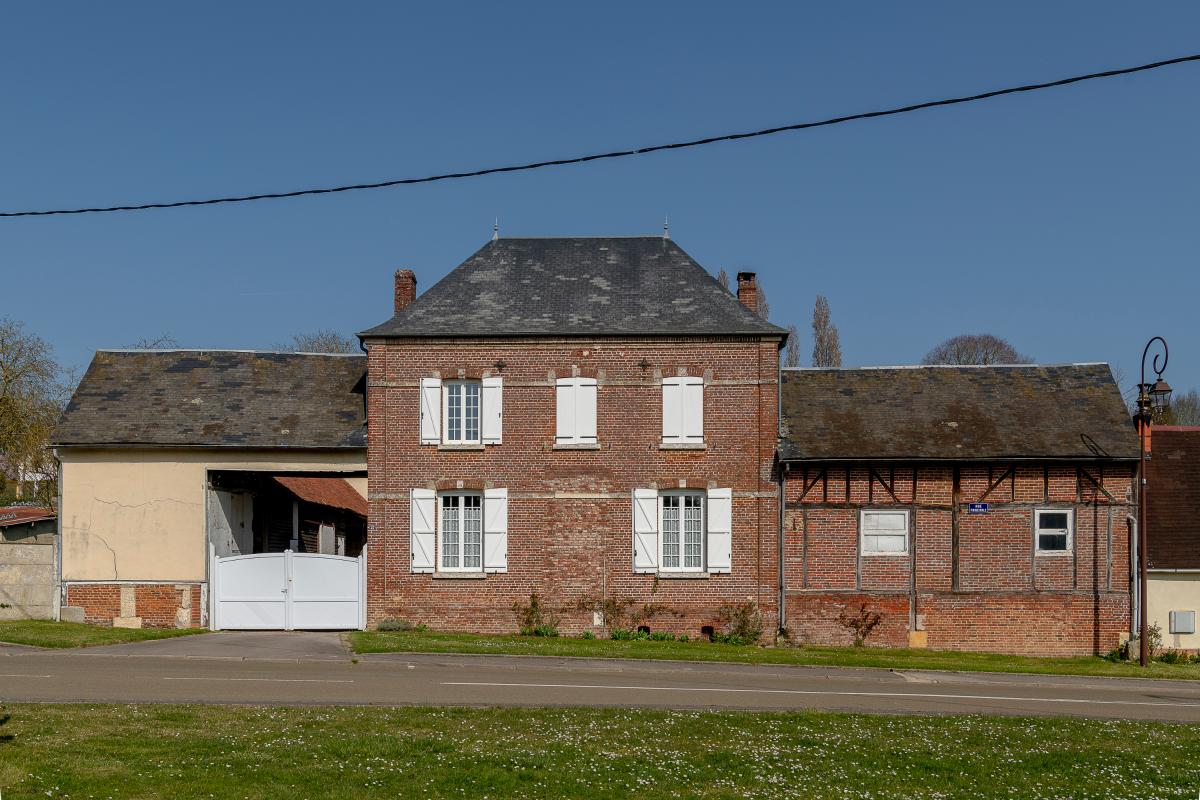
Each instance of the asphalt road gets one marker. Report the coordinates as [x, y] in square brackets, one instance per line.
[314, 669]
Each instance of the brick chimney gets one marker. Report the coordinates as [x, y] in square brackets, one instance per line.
[747, 291]
[406, 288]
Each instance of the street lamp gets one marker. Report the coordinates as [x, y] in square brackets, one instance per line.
[1151, 398]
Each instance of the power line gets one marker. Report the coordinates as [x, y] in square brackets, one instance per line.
[729, 137]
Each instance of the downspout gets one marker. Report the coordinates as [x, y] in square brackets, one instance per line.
[60, 588]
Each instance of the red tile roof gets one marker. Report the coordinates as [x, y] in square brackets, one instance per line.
[333, 492]
[1173, 498]
[20, 515]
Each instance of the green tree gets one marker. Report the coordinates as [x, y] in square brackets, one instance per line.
[32, 397]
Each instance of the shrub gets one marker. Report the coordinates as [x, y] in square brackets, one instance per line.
[662, 636]
[587, 635]
[393, 624]
[535, 619]
[621, 635]
[1173, 657]
[623, 613]
[683, 637]
[1154, 638]
[739, 621]
[861, 623]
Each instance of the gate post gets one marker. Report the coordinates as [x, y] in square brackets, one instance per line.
[287, 590]
[214, 604]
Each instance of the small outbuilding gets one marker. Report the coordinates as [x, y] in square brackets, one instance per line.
[173, 460]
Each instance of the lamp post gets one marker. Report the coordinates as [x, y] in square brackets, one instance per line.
[1151, 398]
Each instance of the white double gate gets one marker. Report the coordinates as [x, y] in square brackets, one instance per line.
[288, 591]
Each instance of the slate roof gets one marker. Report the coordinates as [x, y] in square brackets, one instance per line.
[217, 398]
[1173, 483]
[332, 492]
[1067, 412]
[634, 286]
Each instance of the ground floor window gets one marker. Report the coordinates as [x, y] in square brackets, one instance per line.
[461, 547]
[682, 538]
[1052, 527]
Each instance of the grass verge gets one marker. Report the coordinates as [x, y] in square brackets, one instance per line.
[47, 633]
[230, 752]
[436, 642]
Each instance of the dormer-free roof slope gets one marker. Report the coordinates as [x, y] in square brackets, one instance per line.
[637, 286]
[940, 413]
[217, 398]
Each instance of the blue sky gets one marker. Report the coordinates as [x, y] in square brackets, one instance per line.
[1039, 218]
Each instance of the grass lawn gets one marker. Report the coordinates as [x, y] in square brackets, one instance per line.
[47, 633]
[232, 752]
[433, 642]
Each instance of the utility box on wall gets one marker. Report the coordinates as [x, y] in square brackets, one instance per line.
[1182, 622]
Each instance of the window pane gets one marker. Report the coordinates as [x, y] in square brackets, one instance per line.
[670, 532]
[471, 412]
[472, 531]
[1052, 541]
[884, 543]
[884, 522]
[692, 532]
[450, 531]
[454, 412]
[1052, 520]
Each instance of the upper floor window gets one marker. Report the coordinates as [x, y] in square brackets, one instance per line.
[575, 401]
[683, 410]
[884, 532]
[461, 412]
[1052, 527]
[461, 408]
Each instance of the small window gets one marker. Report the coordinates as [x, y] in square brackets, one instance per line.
[575, 403]
[884, 533]
[682, 540]
[461, 423]
[460, 548]
[683, 411]
[1053, 530]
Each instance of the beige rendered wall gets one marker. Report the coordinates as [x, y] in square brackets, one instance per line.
[138, 515]
[1173, 591]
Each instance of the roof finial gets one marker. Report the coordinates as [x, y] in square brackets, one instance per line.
[496, 230]
[666, 228]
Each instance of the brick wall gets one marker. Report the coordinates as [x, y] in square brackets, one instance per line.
[979, 582]
[157, 605]
[570, 512]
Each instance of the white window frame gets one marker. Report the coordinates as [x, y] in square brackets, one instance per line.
[863, 534]
[439, 558]
[463, 427]
[662, 534]
[1070, 531]
[574, 387]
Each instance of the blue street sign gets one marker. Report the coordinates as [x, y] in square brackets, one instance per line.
[977, 508]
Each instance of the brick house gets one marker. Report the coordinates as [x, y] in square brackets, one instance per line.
[577, 417]
[975, 508]
[1173, 535]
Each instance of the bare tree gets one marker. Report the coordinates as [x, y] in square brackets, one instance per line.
[322, 341]
[827, 348]
[32, 397]
[1184, 410]
[791, 355]
[163, 342]
[763, 309]
[977, 349]
[723, 278]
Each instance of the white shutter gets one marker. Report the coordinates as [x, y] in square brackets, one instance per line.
[672, 410]
[422, 506]
[565, 391]
[585, 411]
[431, 410]
[720, 530]
[495, 530]
[491, 409]
[645, 530]
[693, 409]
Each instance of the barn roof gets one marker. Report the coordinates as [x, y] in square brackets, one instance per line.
[217, 398]
[952, 413]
